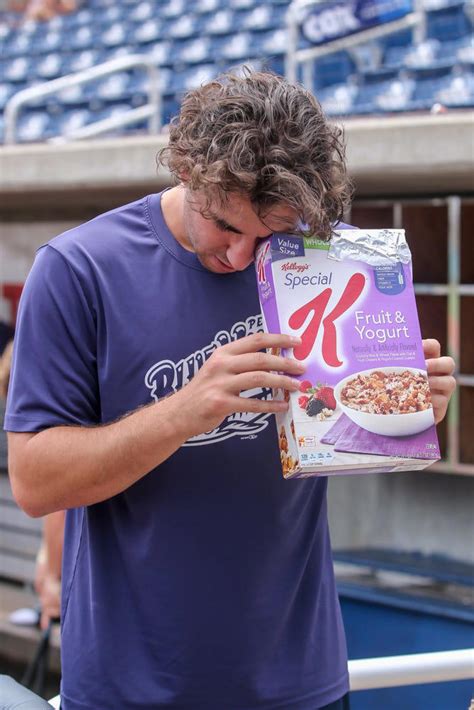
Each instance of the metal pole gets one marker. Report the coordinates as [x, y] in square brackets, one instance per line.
[454, 319]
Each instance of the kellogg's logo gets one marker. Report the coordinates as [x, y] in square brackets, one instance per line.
[294, 266]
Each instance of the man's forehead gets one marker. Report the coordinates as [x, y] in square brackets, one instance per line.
[277, 217]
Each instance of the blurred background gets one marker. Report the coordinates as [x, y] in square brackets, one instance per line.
[87, 91]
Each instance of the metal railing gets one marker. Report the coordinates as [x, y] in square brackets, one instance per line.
[393, 671]
[296, 15]
[414, 669]
[151, 111]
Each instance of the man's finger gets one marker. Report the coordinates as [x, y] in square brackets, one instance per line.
[443, 385]
[440, 366]
[265, 362]
[261, 341]
[431, 348]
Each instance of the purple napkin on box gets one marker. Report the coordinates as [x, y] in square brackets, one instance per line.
[349, 437]
[333, 434]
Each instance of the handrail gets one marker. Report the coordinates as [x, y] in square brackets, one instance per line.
[47, 88]
[295, 56]
[414, 669]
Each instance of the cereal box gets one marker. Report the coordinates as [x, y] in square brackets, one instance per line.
[364, 404]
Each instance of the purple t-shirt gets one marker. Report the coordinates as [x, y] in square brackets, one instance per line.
[208, 584]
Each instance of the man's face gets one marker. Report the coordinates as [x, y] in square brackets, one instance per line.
[225, 242]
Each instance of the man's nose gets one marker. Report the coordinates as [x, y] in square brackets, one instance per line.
[240, 253]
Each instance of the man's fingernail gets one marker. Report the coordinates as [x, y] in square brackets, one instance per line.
[295, 340]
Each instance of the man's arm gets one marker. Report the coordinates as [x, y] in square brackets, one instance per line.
[48, 567]
[71, 466]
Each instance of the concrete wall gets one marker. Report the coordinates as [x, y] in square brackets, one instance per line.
[420, 511]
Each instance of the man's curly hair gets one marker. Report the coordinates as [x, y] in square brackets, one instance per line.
[258, 135]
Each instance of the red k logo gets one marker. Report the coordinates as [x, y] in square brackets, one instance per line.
[316, 308]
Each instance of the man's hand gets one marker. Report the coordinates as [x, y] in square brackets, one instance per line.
[214, 392]
[440, 376]
[50, 600]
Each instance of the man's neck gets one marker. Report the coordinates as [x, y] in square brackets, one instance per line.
[172, 207]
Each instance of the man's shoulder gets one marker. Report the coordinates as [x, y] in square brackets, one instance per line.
[103, 235]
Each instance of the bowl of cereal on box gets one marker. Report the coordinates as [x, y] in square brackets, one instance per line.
[391, 401]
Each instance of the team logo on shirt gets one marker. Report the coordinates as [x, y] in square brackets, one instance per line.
[165, 377]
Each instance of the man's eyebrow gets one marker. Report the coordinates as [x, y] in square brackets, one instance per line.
[224, 223]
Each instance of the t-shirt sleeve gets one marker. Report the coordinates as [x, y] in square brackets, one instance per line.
[54, 371]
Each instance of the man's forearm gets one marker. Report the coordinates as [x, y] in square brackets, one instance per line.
[67, 467]
[53, 536]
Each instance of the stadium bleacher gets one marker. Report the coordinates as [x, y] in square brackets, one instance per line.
[191, 43]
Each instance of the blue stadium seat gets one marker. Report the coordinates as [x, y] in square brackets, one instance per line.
[458, 92]
[6, 92]
[264, 17]
[242, 4]
[174, 8]
[142, 11]
[183, 27]
[18, 44]
[396, 95]
[192, 78]
[150, 31]
[373, 85]
[82, 60]
[160, 52]
[458, 50]
[34, 126]
[448, 23]
[204, 6]
[71, 120]
[82, 38]
[18, 69]
[114, 36]
[219, 23]
[333, 69]
[429, 83]
[338, 100]
[194, 51]
[51, 66]
[233, 47]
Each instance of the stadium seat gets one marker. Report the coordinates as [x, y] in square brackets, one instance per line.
[458, 92]
[150, 31]
[194, 51]
[203, 6]
[338, 100]
[429, 84]
[450, 22]
[34, 126]
[51, 66]
[235, 47]
[333, 69]
[185, 26]
[18, 69]
[222, 22]
[160, 52]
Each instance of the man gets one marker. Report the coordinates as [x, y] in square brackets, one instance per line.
[195, 577]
